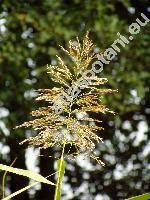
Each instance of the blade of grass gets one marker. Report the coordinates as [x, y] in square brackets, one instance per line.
[4, 177]
[20, 191]
[61, 171]
[145, 196]
[26, 173]
[24, 189]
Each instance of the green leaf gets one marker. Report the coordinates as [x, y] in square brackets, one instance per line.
[61, 171]
[20, 191]
[26, 173]
[145, 196]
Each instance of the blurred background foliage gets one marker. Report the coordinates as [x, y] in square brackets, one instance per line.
[30, 34]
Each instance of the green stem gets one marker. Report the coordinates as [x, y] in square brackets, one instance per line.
[61, 171]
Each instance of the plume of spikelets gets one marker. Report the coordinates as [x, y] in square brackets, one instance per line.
[56, 129]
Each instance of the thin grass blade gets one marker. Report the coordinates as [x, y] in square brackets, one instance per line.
[145, 196]
[61, 171]
[26, 173]
[20, 191]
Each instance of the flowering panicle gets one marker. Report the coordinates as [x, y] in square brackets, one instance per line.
[56, 129]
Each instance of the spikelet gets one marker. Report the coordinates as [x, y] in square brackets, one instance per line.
[55, 129]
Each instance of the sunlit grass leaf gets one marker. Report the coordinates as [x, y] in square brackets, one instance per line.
[26, 173]
[61, 171]
[145, 196]
[20, 191]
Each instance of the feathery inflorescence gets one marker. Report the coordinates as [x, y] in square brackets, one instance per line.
[67, 127]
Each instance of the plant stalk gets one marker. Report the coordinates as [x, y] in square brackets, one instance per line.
[61, 171]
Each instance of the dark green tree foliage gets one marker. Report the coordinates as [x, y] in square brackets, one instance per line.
[30, 32]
